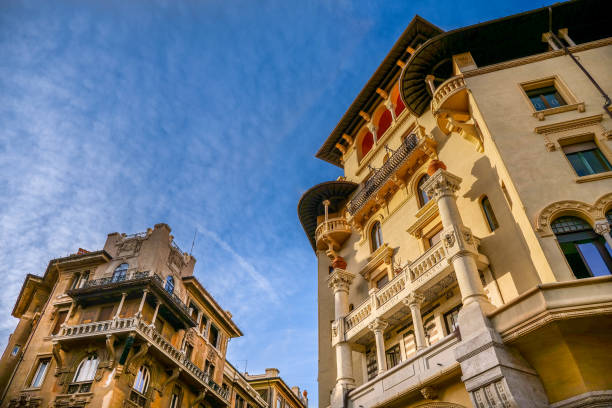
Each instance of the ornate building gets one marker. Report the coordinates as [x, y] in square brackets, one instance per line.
[275, 391]
[464, 257]
[126, 326]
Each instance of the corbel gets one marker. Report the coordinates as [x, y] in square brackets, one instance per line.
[173, 376]
[348, 138]
[341, 148]
[198, 399]
[365, 116]
[382, 93]
[110, 349]
[135, 357]
[56, 352]
[400, 64]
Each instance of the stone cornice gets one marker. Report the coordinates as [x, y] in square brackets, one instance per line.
[423, 217]
[382, 254]
[568, 125]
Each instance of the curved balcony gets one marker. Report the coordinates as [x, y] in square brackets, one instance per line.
[449, 95]
[335, 229]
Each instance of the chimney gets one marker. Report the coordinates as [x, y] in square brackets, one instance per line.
[272, 372]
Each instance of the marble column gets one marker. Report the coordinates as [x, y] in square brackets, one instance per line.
[158, 303]
[414, 301]
[118, 314]
[378, 326]
[460, 244]
[142, 302]
[339, 281]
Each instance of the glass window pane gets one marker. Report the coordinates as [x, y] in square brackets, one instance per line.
[596, 161]
[593, 259]
[538, 104]
[39, 375]
[578, 164]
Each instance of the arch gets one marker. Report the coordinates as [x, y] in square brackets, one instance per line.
[602, 206]
[383, 119]
[398, 104]
[86, 370]
[489, 214]
[563, 208]
[421, 194]
[120, 272]
[169, 284]
[142, 380]
[376, 238]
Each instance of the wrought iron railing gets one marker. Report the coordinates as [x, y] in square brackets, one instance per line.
[109, 281]
[380, 176]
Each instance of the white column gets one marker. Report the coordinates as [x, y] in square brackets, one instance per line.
[155, 312]
[414, 301]
[374, 130]
[602, 227]
[123, 296]
[142, 301]
[378, 326]
[339, 281]
[389, 106]
[460, 244]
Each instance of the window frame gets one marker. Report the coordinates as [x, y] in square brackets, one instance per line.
[584, 138]
[169, 283]
[376, 239]
[420, 193]
[34, 372]
[120, 274]
[490, 219]
[571, 103]
[77, 372]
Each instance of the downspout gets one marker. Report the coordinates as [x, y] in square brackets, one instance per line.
[607, 100]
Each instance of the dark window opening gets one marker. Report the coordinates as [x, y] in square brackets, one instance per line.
[546, 98]
[423, 197]
[586, 158]
[489, 214]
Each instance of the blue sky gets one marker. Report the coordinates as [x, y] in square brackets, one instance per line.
[206, 115]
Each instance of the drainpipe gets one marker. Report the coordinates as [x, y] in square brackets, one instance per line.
[607, 100]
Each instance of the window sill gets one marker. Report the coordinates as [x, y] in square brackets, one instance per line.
[594, 177]
[541, 115]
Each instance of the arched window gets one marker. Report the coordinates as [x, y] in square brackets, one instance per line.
[169, 286]
[423, 197]
[384, 123]
[86, 371]
[489, 214]
[120, 272]
[376, 236]
[366, 143]
[141, 384]
[399, 106]
[586, 252]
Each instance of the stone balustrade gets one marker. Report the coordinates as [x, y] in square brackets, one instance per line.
[432, 257]
[332, 225]
[149, 333]
[447, 89]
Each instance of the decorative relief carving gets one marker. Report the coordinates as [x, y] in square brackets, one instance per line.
[590, 213]
[340, 280]
[440, 184]
[429, 392]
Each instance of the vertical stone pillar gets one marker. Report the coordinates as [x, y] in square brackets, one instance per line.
[458, 239]
[378, 326]
[123, 296]
[414, 301]
[158, 303]
[493, 374]
[339, 281]
[142, 302]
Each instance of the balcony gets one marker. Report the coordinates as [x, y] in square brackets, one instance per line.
[384, 180]
[435, 363]
[98, 290]
[337, 230]
[147, 332]
[430, 274]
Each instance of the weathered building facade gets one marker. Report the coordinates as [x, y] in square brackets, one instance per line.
[464, 257]
[126, 326]
[273, 389]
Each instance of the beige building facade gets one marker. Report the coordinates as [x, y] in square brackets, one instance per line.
[275, 391]
[464, 256]
[126, 326]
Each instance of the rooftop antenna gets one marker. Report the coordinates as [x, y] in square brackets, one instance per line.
[193, 242]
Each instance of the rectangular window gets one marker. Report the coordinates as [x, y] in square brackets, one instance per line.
[213, 336]
[39, 374]
[83, 280]
[451, 319]
[393, 356]
[60, 318]
[203, 324]
[371, 364]
[586, 158]
[193, 311]
[188, 351]
[15, 350]
[382, 281]
[175, 398]
[434, 239]
[75, 281]
[546, 97]
[239, 402]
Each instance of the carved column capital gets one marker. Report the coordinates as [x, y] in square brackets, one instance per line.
[378, 325]
[442, 183]
[602, 227]
[414, 299]
[340, 280]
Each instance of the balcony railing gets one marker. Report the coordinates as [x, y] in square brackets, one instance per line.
[111, 281]
[134, 324]
[331, 225]
[380, 176]
[447, 89]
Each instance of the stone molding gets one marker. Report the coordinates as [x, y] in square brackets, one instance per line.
[568, 125]
[592, 213]
[382, 255]
[595, 399]
[340, 280]
[442, 183]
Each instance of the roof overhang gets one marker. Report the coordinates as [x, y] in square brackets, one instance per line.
[500, 40]
[311, 204]
[417, 32]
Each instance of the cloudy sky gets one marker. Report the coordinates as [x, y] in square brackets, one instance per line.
[117, 115]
